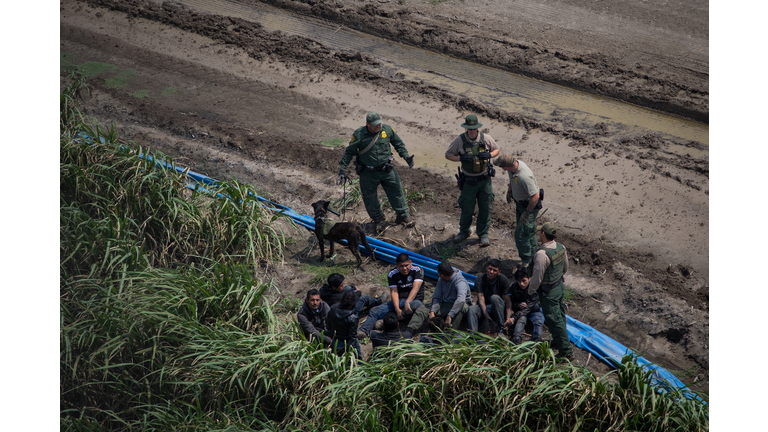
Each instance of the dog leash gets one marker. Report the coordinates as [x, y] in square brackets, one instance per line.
[343, 203]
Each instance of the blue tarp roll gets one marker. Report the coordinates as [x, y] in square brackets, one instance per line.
[580, 334]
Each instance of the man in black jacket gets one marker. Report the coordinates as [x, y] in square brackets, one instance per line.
[491, 288]
[342, 321]
[391, 333]
[521, 307]
[333, 291]
[312, 318]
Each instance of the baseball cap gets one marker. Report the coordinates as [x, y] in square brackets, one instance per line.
[549, 228]
[373, 118]
[504, 161]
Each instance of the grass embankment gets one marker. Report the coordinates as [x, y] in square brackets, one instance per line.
[163, 326]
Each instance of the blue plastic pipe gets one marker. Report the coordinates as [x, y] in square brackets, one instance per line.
[580, 334]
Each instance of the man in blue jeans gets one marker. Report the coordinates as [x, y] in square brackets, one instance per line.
[521, 307]
[406, 284]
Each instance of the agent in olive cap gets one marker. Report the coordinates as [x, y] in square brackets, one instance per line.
[524, 190]
[550, 263]
[373, 161]
[474, 149]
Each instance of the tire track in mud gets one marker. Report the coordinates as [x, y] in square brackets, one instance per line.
[509, 92]
[163, 69]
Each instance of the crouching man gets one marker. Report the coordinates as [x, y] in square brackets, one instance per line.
[491, 289]
[391, 333]
[333, 291]
[342, 321]
[312, 318]
[522, 307]
[450, 301]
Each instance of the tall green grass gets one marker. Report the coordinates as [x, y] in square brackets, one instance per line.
[164, 327]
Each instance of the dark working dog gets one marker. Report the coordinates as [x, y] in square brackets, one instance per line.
[337, 231]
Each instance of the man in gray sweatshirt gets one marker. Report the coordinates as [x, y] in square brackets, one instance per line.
[451, 299]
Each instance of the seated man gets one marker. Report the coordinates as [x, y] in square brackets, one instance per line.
[522, 306]
[391, 333]
[342, 321]
[312, 318]
[406, 284]
[333, 291]
[451, 299]
[491, 289]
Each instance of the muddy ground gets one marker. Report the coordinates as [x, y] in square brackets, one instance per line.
[231, 100]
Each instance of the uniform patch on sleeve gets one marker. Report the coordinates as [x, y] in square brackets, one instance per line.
[353, 139]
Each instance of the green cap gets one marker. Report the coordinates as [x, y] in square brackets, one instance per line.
[549, 228]
[373, 118]
[471, 122]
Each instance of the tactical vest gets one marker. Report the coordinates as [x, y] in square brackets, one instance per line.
[554, 272]
[477, 166]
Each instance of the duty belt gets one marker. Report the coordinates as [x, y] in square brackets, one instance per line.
[546, 288]
[385, 167]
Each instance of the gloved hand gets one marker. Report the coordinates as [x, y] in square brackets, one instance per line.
[466, 157]
[484, 155]
[525, 217]
[409, 159]
[509, 196]
[343, 177]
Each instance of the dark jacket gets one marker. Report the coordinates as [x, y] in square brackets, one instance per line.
[379, 338]
[313, 323]
[379, 153]
[332, 297]
[343, 323]
[518, 295]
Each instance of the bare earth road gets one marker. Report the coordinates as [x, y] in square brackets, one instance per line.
[220, 93]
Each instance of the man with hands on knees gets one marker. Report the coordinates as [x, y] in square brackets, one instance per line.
[406, 289]
[451, 299]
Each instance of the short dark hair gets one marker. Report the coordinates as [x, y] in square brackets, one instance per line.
[312, 292]
[549, 237]
[401, 258]
[436, 324]
[335, 279]
[390, 321]
[489, 327]
[521, 273]
[348, 300]
[445, 269]
[495, 263]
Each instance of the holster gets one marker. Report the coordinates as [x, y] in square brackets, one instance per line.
[359, 168]
[491, 170]
[460, 179]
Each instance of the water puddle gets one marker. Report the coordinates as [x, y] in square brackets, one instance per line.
[509, 92]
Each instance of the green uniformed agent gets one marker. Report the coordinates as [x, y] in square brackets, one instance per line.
[550, 263]
[474, 149]
[373, 160]
[524, 190]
